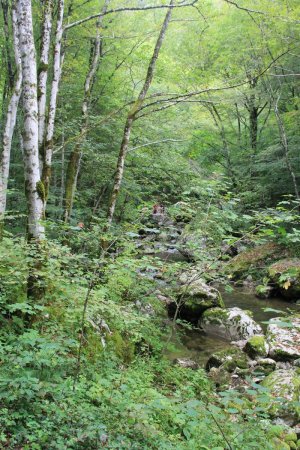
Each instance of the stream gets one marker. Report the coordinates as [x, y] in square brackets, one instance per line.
[198, 346]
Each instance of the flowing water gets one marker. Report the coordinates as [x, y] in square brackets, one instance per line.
[198, 346]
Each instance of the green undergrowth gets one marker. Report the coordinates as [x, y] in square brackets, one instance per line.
[108, 384]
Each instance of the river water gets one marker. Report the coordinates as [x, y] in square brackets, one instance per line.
[198, 346]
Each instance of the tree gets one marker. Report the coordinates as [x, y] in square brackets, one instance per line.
[131, 117]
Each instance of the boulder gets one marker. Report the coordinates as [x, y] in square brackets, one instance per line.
[284, 385]
[285, 275]
[252, 259]
[186, 363]
[231, 323]
[195, 297]
[257, 346]
[265, 366]
[228, 359]
[283, 337]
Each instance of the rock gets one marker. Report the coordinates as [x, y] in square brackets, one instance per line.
[186, 363]
[284, 384]
[195, 297]
[145, 309]
[264, 292]
[297, 362]
[265, 366]
[252, 258]
[228, 359]
[220, 377]
[257, 346]
[285, 274]
[284, 340]
[231, 323]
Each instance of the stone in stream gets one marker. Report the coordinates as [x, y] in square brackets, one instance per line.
[284, 384]
[194, 297]
[228, 359]
[285, 275]
[232, 323]
[257, 346]
[283, 337]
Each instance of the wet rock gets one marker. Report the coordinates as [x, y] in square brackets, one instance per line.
[228, 359]
[257, 346]
[264, 292]
[284, 384]
[186, 363]
[284, 340]
[195, 297]
[285, 274]
[231, 323]
[265, 365]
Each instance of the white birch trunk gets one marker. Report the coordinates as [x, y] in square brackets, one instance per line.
[43, 70]
[33, 187]
[10, 120]
[58, 60]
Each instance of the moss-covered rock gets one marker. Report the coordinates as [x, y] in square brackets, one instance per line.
[232, 323]
[285, 275]
[285, 385]
[257, 346]
[228, 359]
[194, 297]
[253, 259]
[283, 337]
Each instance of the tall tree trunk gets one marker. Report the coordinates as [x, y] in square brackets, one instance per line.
[43, 71]
[253, 122]
[58, 60]
[34, 190]
[131, 117]
[76, 154]
[285, 147]
[10, 123]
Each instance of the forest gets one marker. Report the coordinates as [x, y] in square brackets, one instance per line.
[150, 224]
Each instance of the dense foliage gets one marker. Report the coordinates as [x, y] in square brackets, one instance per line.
[85, 342]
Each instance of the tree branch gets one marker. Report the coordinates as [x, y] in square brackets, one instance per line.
[116, 10]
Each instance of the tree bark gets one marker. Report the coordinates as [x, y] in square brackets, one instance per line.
[76, 154]
[34, 190]
[57, 64]
[43, 71]
[10, 123]
[285, 147]
[131, 117]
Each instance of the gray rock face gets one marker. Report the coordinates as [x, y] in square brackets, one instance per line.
[284, 384]
[231, 323]
[186, 363]
[284, 341]
[195, 297]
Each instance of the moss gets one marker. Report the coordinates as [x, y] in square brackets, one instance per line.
[215, 315]
[256, 346]
[40, 188]
[228, 359]
[292, 436]
[252, 259]
[123, 348]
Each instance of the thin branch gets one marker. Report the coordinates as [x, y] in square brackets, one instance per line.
[116, 10]
[155, 142]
